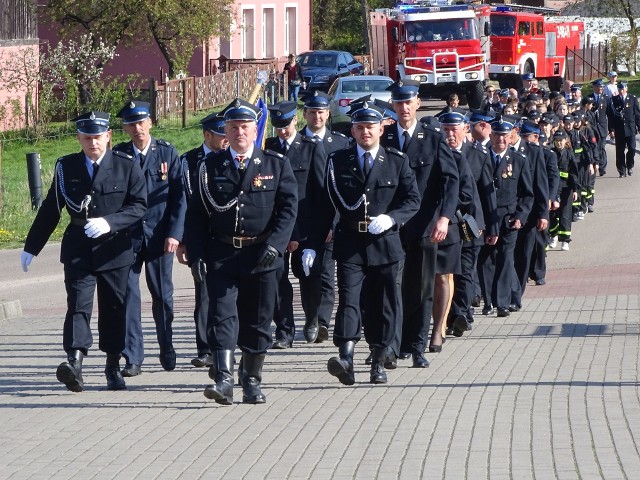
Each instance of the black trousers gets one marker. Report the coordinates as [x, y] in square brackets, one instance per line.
[523, 252]
[538, 266]
[562, 217]
[464, 287]
[603, 153]
[158, 269]
[625, 161]
[200, 315]
[80, 285]
[383, 305]
[418, 282]
[496, 269]
[241, 307]
[317, 291]
[283, 314]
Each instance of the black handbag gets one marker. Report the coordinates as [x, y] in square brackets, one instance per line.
[469, 229]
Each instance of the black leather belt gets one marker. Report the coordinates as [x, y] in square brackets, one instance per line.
[241, 242]
[80, 222]
[361, 227]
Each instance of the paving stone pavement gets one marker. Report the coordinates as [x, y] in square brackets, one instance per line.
[549, 392]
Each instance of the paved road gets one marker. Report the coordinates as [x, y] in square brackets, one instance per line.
[550, 392]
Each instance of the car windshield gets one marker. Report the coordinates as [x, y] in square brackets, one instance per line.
[323, 60]
[503, 26]
[439, 30]
[365, 86]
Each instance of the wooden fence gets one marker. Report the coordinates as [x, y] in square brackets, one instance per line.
[586, 64]
[18, 20]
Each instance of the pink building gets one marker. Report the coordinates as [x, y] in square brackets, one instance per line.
[259, 30]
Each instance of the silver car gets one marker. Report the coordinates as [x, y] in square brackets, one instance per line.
[345, 89]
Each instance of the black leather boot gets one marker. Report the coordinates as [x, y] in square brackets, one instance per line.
[221, 372]
[342, 367]
[70, 372]
[112, 372]
[311, 330]
[378, 375]
[251, 378]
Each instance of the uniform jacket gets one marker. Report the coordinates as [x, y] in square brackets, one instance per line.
[624, 115]
[567, 170]
[390, 189]
[333, 141]
[599, 110]
[118, 194]
[305, 155]
[514, 192]
[480, 164]
[553, 177]
[539, 181]
[436, 173]
[467, 198]
[190, 161]
[266, 205]
[166, 198]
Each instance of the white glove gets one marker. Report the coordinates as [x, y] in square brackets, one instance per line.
[96, 227]
[308, 256]
[25, 260]
[380, 224]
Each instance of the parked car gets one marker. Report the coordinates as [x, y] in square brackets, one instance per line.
[346, 89]
[321, 67]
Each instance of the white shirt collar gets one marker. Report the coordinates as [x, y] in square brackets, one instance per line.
[373, 151]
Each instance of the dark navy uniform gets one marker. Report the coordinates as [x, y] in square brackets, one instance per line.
[164, 219]
[389, 189]
[624, 122]
[484, 212]
[539, 210]
[229, 221]
[433, 164]
[305, 155]
[514, 197]
[600, 126]
[190, 161]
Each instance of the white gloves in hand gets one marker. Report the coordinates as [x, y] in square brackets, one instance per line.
[96, 227]
[25, 260]
[308, 256]
[380, 224]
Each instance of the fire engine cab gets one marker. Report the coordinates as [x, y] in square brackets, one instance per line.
[523, 41]
[435, 42]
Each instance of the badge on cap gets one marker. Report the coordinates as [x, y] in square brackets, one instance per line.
[400, 84]
[92, 116]
[132, 105]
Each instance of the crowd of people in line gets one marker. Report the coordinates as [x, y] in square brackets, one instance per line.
[414, 222]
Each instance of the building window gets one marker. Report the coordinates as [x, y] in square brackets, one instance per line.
[290, 30]
[268, 33]
[248, 33]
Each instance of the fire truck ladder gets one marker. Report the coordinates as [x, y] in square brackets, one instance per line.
[514, 7]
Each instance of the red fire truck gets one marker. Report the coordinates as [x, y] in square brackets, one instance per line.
[523, 41]
[435, 42]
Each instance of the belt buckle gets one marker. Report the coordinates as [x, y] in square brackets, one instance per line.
[237, 242]
[363, 226]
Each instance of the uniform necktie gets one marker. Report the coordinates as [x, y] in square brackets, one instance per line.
[366, 164]
[285, 148]
[498, 159]
[95, 170]
[317, 138]
[142, 159]
[405, 142]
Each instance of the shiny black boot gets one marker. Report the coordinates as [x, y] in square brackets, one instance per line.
[221, 372]
[112, 372]
[70, 372]
[342, 367]
[251, 378]
[378, 375]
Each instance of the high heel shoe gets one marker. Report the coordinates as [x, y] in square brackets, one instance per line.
[435, 348]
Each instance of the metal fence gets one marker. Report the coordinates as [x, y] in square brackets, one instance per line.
[586, 64]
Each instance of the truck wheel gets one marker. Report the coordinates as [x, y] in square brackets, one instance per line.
[475, 93]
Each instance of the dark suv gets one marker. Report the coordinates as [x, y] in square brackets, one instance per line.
[321, 67]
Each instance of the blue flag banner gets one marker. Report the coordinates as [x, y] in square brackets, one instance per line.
[262, 123]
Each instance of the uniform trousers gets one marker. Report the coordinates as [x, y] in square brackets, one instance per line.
[317, 291]
[241, 307]
[418, 282]
[522, 255]
[464, 287]
[495, 269]
[538, 266]
[200, 316]
[603, 154]
[561, 217]
[283, 314]
[158, 269]
[625, 161]
[80, 284]
[382, 302]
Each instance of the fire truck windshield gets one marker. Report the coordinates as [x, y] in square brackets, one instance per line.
[503, 26]
[441, 30]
